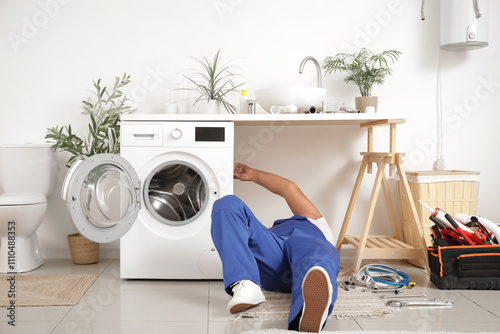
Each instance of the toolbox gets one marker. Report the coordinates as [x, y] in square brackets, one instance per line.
[465, 267]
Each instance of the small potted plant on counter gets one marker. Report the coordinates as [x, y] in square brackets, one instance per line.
[214, 84]
[365, 69]
[103, 137]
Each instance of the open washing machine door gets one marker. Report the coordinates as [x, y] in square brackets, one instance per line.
[103, 196]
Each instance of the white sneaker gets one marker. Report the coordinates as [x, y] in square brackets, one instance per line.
[246, 294]
[317, 292]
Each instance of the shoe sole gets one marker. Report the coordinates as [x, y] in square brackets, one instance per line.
[317, 298]
[242, 307]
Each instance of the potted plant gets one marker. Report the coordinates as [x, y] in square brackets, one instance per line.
[364, 68]
[104, 127]
[103, 137]
[214, 83]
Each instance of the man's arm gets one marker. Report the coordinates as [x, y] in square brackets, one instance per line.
[295, 198]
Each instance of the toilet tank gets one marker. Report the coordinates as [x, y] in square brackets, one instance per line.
[27, 167]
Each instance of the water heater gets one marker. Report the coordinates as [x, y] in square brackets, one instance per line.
[464, 24]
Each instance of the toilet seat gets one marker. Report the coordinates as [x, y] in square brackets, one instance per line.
[10, 199]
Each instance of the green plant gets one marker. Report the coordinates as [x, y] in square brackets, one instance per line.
[104, 127]
[364, 68]
[215, 82]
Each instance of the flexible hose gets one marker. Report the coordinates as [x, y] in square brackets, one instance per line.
[379, 276]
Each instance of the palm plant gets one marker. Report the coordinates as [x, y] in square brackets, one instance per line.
[215, 82]
[364, 68]
[104, 127]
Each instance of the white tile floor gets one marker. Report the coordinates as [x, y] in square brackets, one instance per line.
[113, 305]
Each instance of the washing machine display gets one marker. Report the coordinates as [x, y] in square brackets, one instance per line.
[156, 197]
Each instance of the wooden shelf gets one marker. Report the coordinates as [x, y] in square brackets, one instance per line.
[371, 119]
[384, 247]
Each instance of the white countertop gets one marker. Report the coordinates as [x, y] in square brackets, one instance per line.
[266, 119]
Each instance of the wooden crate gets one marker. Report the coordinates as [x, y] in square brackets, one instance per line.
[452, 191]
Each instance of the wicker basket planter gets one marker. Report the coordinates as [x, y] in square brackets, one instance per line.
[83, 251]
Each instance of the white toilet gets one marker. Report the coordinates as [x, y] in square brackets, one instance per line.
[26, 181]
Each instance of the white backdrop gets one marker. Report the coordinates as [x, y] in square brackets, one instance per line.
[51, 50]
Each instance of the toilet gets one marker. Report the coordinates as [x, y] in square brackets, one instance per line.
[25, 182]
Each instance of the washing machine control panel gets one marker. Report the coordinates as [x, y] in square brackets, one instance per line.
[176, 133]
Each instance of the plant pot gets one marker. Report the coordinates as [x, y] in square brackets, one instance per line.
[83, 250]
[213, 107]
[366, 101]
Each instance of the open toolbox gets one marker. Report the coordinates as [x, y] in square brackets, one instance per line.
[465, 267]
[465, 253]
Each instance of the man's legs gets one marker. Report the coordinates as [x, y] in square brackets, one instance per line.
[248, 250]
[305, 253]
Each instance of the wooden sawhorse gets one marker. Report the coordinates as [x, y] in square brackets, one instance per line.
[382, 246]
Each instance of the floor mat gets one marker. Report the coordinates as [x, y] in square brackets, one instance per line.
[43, 290]
[352, 304]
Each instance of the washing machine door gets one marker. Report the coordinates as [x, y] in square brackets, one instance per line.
[103, 196]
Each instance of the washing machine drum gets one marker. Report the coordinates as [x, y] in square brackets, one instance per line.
[177, 193]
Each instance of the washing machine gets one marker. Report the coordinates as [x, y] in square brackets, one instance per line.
[156, 196]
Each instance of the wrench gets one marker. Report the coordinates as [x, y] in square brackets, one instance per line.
[402, 303]
[404, 296]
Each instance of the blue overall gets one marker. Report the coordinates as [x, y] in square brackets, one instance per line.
[277, 259]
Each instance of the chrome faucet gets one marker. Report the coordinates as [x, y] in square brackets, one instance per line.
[318, 69]
[318, 73]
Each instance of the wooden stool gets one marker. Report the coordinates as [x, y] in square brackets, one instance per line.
[382, 246]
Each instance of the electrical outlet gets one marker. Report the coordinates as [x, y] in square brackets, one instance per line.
[439, 165]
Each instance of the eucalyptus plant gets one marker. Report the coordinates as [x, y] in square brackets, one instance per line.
[104, 127]
[215, 82]
[364, 68]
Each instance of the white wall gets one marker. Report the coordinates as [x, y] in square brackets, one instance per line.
[51, 50]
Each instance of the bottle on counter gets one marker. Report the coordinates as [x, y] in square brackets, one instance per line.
[244, 102]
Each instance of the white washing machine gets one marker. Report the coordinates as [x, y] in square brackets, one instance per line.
[157, 196]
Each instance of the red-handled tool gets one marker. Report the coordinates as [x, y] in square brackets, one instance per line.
[449, 235]
[437, 222]
[457, 226]
[458, 229]
[483, 232]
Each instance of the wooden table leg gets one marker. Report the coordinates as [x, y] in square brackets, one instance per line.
[369, 217]
[392, 146]
[352, 201]
[413, 212]
[370, 147]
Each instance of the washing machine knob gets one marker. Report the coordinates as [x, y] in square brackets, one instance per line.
[176, 134]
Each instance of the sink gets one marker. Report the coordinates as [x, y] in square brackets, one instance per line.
[302, 97]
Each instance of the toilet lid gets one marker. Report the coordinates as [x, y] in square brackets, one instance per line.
[22, 198]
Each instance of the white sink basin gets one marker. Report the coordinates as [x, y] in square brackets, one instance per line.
[302, 97]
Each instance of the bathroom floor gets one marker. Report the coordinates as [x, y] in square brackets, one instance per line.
[113, 305]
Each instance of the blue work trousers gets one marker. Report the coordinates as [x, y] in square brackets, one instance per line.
[277, 259]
